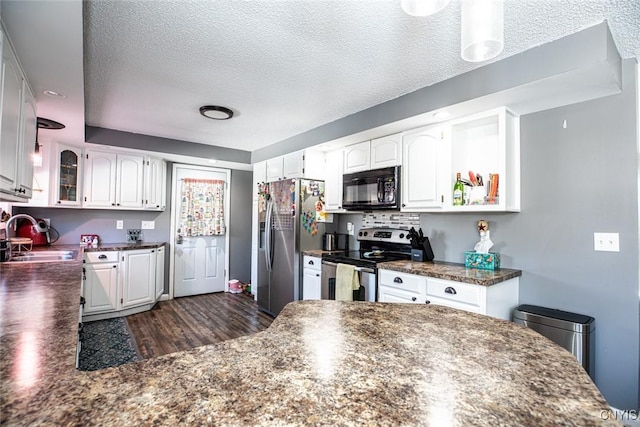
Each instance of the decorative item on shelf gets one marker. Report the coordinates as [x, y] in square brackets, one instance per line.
[89, 240]
[481, 257]
[476, 193]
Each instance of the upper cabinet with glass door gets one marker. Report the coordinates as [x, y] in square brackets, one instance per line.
[67, 179]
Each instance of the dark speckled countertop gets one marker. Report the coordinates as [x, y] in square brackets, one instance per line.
[443, 270]
[320, 363]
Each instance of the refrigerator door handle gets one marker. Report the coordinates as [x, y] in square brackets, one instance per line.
[268, 236]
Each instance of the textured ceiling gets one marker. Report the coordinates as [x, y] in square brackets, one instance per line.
[288, 66]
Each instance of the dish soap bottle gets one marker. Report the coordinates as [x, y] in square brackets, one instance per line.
[458, 190]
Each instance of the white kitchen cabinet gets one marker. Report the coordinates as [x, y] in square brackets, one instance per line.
[299, 164]
[357, 157]
[120, 283]
[29, 126]
[386, 151]
[333, 181]
[486, 143]
[155, 184]
[113, 180]
[275, 169]
[496, 300]
[375, 154]
[17, 129]
[424, 151]
[312, 277]
[100, 282]
[67, 176]
[394, 286]
[139, 277]
[160, 261]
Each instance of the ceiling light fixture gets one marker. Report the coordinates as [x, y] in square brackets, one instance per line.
[216, 112]
[482, 29]
[54, 94]
[423, 7]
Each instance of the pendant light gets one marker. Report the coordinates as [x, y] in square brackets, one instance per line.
[423, 7]
[482, 29]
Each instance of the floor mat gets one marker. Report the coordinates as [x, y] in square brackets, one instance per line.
[107, 343]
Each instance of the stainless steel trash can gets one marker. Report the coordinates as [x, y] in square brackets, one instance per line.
[575, 332]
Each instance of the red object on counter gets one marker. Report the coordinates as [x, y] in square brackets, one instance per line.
[25, 229]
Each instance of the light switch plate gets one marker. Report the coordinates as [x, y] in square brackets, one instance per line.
[119, 224]
[607, 242]
[148, 225]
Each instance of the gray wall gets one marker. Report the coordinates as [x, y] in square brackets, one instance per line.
[575, 181]
[240, 226]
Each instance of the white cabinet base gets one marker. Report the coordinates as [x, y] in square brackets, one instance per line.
[120, 313]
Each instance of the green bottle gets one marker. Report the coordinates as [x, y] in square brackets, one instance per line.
[458, 190]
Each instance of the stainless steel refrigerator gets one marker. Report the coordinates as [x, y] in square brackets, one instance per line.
[290, 222]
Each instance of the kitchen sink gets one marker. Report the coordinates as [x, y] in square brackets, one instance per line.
[43, 256]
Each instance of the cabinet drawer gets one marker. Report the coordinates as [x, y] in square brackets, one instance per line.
[104, 256]
[455, 291]
[408, 282]
[312, 262]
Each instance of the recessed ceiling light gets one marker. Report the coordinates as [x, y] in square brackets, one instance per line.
[216, 112]
[54, 94]
[441, 114]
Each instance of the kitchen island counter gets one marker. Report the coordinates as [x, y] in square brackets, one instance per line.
[320, 362]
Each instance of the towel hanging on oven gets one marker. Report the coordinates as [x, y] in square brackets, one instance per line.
[346, 282]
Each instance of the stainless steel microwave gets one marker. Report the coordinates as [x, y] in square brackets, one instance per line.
[372, 189]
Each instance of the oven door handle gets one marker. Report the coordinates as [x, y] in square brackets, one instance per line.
[359, 269]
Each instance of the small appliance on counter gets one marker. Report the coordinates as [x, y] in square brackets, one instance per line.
[335, 242]
[26, 229]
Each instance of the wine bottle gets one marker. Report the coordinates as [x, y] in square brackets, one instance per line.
[458, 190]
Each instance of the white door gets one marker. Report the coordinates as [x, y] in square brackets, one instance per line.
[200, 263]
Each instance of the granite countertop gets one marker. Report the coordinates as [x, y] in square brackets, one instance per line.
[320, 363]
[452, 271]
[441, 270]
[122, 246]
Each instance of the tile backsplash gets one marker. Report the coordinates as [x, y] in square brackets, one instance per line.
[390, 220]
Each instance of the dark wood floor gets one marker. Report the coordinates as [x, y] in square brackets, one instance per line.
[187, 322]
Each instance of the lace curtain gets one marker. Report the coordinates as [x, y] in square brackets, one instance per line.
[201, 208]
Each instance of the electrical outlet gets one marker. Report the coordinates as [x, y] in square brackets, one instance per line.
[134, 235]
[350, 228]
[608, 242]
[148, 225]
[119, 224]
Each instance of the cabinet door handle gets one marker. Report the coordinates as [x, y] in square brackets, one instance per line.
[115, 266]
[59, 201]
[397, 280]
[317, 274]
[427, 302]
[102, 256]
[413, 298]
[113, 204]
[450, 290]
[152, 251]
[310, 263]
[404, 206]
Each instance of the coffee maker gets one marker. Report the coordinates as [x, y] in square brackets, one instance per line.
[40, 238]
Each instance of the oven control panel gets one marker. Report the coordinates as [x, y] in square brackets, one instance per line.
[390, 235]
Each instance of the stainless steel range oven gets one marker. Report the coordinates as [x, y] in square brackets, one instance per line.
[376, 245]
